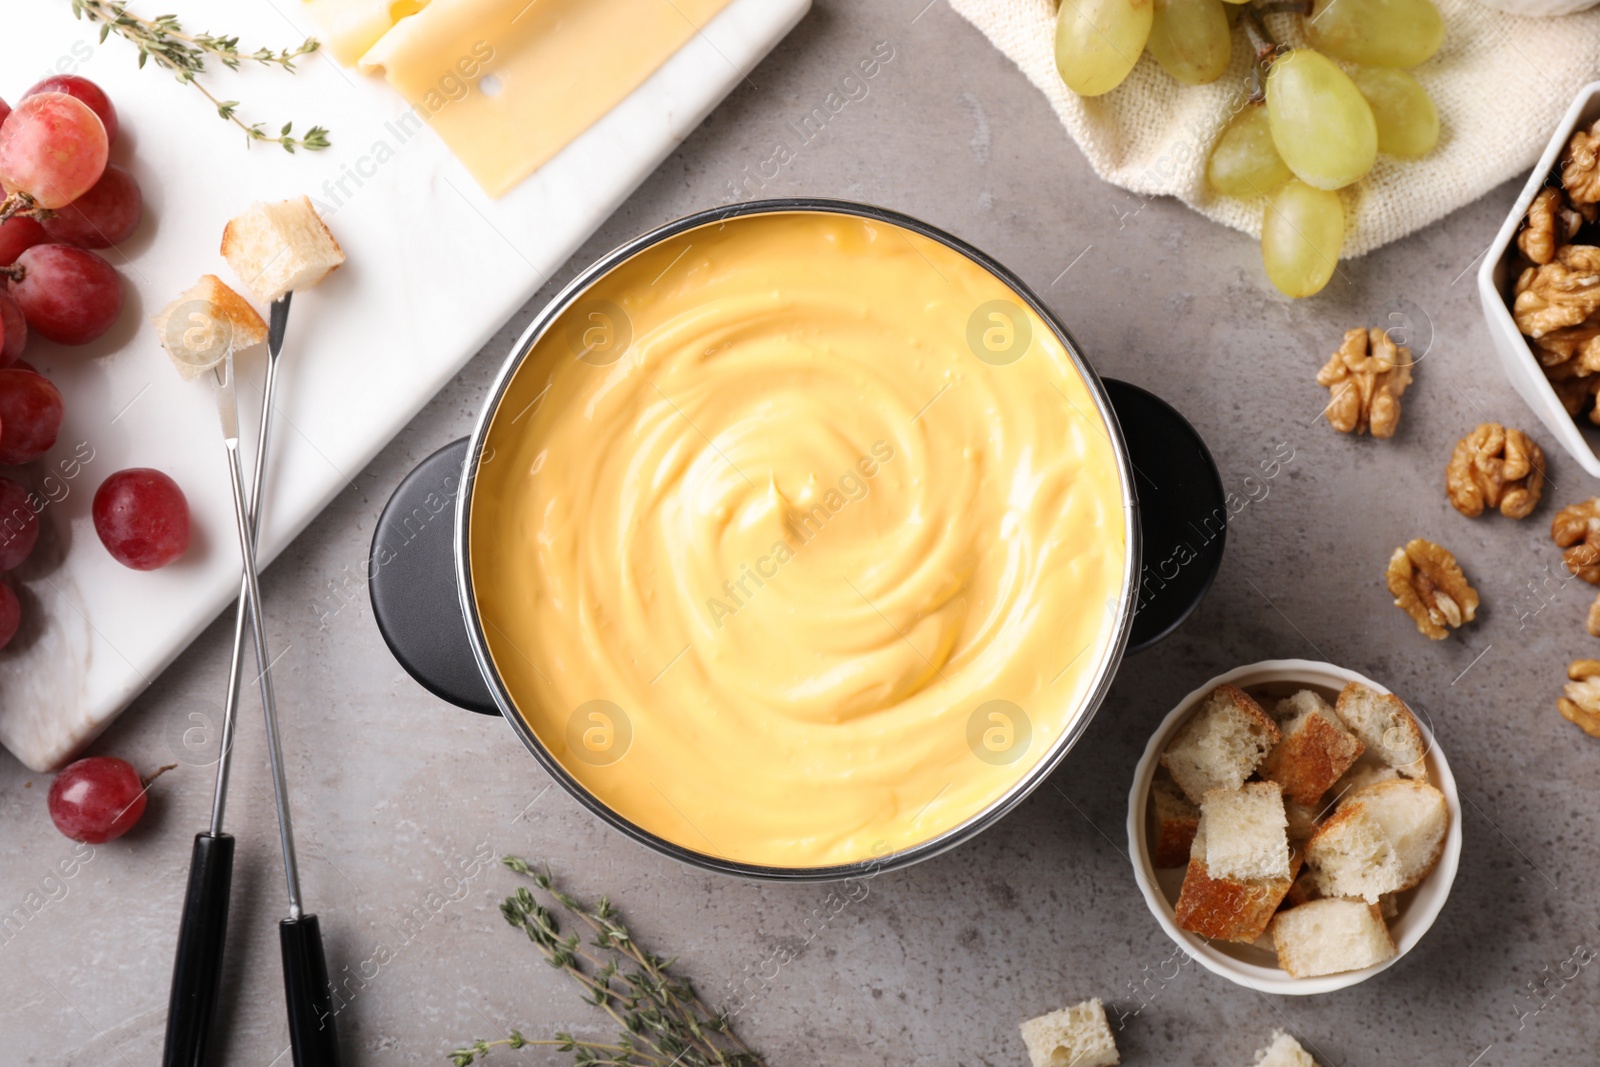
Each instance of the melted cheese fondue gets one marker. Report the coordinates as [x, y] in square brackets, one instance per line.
[799, 539]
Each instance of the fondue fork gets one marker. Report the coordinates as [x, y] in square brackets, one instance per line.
[305, 968]
[197, 969]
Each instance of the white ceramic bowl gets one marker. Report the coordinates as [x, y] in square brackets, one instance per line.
[1250, 965]
[1498, 273]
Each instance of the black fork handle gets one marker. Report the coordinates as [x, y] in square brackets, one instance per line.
[197, 969]
[305, 987]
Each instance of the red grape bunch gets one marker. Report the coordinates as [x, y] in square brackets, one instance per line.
[64, 198]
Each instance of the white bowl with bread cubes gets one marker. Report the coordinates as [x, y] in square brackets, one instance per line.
[1293, 827]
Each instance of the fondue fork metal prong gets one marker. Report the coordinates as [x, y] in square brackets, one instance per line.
[305, 968]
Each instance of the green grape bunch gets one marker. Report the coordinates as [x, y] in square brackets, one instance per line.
[1317, 116]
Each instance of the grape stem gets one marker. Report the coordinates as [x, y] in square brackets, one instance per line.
[163, 40]
[21, 204]
[1261, 40]
[159, 772]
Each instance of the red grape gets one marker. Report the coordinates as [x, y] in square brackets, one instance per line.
[30, 414]
[53, 148]
[16, 235]
[10, 614]
[96, 800]
[5, 112]
[142, 518]
[70, 295]
[105, 215]
[86, 91]
[13, 329]
[19, 525]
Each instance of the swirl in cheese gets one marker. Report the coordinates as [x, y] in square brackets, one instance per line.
[799, 539]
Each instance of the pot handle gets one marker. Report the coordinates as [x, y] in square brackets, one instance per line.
[412, 582]
[1183, 515]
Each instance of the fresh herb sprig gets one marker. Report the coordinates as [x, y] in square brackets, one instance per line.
[663, 1021]
[163, 39]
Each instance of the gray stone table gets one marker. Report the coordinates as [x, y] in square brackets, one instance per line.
[396, 792]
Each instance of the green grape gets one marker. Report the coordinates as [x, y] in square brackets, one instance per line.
[1408, 123]
[1321, 124]
[1382, 33]
[1099, 41]
[1189, 38]
[1243, 162]
[1301, 232]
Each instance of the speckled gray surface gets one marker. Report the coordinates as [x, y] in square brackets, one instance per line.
[395, 791]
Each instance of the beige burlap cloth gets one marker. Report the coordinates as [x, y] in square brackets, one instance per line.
[1500, 81]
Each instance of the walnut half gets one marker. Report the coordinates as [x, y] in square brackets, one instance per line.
[1551, 223]
[1580, 166]
[1428, 585]
[1560, 293]
[1581, 705]
[1498, 468]
[1576, 531]
[1366, 377]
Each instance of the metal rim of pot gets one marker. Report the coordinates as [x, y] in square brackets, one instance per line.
[1111, 655]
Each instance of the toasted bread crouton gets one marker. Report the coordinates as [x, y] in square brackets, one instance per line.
[1284, 1051]
[1365, 772]
[1304, 888]
[1078, 1036]
[1414, 818]
[1329, 936]
[1316, 748]
[1298, 704]
[1302, 822]
[1385, 726]
[276, 248]
[1174, 821]
[1228, 909]
[1353, 857]
[1245, 832]
[204, 323]
[1222, 743]
[1389, 906]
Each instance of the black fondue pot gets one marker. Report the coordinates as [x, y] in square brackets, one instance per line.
[421, 579]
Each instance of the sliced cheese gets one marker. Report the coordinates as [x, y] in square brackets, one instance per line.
[350, 27]
[508, 83]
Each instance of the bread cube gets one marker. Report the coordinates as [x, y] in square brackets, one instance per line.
[1366, 771]
[1304, 889]
[1245, 832]
[1078, 1036]
[1352, 855]
[1385, 726]
[1298, 704]
[1221, 745]
[1316, 748]
[277, 248]
[1284, 1051]
[1330, 936]
[1174, 821]
[1302, 821]
[1414, 819]
[1228, 909]
[204, 323]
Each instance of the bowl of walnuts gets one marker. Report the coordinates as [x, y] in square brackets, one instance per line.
[1540, 283]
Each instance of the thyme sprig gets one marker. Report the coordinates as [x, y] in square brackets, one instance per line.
[662, 1020]
[163, 39]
